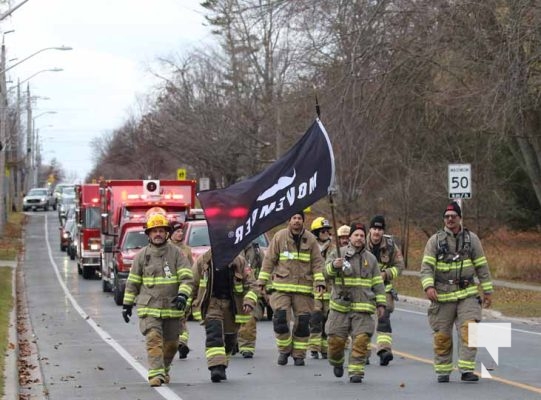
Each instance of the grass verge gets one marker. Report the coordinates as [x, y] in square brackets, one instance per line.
[11, 239]
[510, 302]
[6, 304]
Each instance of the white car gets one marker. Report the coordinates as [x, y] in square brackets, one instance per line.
[38, 198]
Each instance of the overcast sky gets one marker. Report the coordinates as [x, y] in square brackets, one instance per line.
[115, 42]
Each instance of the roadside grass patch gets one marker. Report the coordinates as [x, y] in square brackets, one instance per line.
[11, 240]
[510, 302]
[6, 304]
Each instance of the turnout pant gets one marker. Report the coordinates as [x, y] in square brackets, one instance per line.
[318, 335]
[384, 331]
[442, 317]
[161, 337]
[184, 334]
[288, 306]
[360, 327]
[221, 332]
[248, 332]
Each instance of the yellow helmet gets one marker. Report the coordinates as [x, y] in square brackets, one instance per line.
[155, 210]
[319, 223]
[157, 221]
[343, 231]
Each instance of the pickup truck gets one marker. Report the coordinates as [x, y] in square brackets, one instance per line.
[39, 198]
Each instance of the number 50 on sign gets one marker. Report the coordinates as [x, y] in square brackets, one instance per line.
[460, 181]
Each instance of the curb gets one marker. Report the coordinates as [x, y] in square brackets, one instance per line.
[11, 369]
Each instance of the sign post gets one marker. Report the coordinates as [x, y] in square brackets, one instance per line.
[460, 181]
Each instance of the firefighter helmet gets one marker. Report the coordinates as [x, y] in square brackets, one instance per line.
[319, 223]
[155, 210]
[156, 221]
[343, 231]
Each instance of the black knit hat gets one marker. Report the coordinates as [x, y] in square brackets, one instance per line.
[453, 206]
[175, 226]
[357, 225]
[378, 222]
[300, 212]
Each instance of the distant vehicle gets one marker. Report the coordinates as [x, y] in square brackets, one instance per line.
[73, 240]
[65, 234]
[38, 198]
[64, 204]
[196, 235]
[133, 240]
[59, 191]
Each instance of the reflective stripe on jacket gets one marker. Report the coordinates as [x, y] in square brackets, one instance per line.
[157, 276]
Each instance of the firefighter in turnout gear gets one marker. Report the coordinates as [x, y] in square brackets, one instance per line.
[391, 265]
[343, 235]
[321, 228]
[453, 258]
[226, 296]
[177, 237]
[294, 264]
[357, 293]
[160, 283]
[247, 336]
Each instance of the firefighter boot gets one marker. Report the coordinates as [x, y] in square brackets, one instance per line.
[314, 354]
[217, 373]
[356, 378]
[385, 357]
[469, 377]
[299, 362]
[443, 378]
[155, 381]
[247, 354]
[183, 351]
[282, 358]
[338, 371]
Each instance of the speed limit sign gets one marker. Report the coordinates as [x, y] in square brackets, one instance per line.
[460, 181]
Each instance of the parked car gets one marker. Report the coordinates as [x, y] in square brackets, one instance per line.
[59, 191]
[65, 234]
[38, 198]
[196, 235]
[66, 201]
[73, 238]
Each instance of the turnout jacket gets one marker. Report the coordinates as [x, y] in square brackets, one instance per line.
[293, 267]
[450, 264]
[361, 288]
[157, 276]
[243, 287]
[390, 259]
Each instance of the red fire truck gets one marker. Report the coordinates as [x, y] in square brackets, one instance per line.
[124, 204]
[87, 214]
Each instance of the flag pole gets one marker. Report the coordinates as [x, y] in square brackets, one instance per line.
[331, 199]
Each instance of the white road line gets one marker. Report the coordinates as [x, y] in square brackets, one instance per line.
[165, 392]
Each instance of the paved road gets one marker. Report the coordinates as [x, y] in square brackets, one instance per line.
[86, 351]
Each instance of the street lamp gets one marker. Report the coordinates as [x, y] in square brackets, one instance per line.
[62, 48]
[55, 69]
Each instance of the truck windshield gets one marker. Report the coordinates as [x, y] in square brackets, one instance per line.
[135, 240]
[92, 218]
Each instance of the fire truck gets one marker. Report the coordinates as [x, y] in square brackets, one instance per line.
[87, 215]
[124, 204]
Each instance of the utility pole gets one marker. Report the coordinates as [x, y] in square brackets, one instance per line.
[29, 127]
[3, 117]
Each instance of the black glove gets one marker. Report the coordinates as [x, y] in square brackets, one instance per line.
[180, 301]
[126, 312]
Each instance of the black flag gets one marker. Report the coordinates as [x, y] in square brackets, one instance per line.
[241, 212]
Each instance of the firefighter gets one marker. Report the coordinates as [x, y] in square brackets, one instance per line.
[294, 264]
[357, 292]
[343, 235]
[453, 258]
[160, 283]
[247, 336]
[226, 296]
[177, 235]
[391, 265]
[321, 228]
